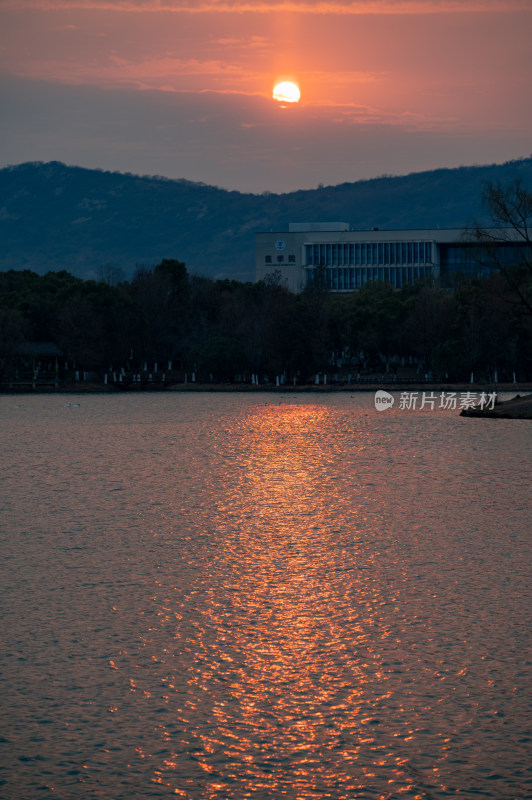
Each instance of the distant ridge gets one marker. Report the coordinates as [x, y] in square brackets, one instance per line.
[54, 216]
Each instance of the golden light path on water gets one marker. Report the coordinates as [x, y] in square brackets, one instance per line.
[277, 685]
[297, 678]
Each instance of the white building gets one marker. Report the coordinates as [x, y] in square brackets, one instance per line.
[342, 260]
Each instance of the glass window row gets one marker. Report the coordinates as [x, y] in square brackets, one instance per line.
[367, 253]
[352, 278]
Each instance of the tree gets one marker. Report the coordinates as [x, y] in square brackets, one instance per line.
[13, 327]
[175, 273]
[379, 309]
[507, 246]
[428, 322]
[162, 294]
[96, 324]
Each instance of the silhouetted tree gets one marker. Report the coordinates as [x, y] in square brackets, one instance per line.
[161, 294]
[507, 246]
[428, 322]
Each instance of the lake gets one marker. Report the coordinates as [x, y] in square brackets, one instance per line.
[233, 596]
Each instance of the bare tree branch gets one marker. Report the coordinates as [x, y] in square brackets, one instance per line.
[507, 245]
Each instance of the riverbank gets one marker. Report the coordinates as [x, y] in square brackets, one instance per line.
[517, 408]
[88, 387]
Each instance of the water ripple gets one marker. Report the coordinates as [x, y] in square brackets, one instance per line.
[220, 598]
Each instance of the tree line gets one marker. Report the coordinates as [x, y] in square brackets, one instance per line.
[226, 328]
[220, 328]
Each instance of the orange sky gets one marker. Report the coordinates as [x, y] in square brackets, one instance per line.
[183, 89]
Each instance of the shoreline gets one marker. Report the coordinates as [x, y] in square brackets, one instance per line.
[518, 407]
[83, 387]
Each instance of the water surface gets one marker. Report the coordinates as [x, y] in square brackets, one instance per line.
[229, 596]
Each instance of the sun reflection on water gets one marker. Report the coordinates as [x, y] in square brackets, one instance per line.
[282, 649]
[269, 687]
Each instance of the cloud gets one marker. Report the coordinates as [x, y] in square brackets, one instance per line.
[165, 73]
[243, 43]
[235, 141]
[337, 7]
[169, 73]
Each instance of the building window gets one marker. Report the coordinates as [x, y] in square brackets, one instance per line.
[373, 255]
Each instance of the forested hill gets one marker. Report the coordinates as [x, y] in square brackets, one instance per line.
[95, 223]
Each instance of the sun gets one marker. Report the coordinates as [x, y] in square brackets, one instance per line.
[286, 92]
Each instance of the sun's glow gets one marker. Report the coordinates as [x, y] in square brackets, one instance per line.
[286, 92]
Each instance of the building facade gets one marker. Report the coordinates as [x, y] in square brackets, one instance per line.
[341, 260]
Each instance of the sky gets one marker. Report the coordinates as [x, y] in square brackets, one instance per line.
[183, 88]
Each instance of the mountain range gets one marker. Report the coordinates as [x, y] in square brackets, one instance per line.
[94, 223]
